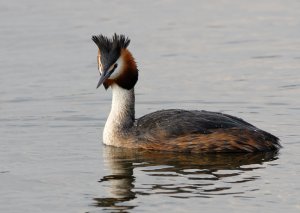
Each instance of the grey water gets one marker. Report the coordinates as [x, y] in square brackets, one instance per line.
[236, 57]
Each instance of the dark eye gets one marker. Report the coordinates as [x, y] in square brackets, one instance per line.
[113, 68]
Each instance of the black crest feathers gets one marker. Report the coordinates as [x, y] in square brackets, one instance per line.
[110, 48]
[106, 44]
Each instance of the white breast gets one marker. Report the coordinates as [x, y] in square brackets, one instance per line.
[120, 116]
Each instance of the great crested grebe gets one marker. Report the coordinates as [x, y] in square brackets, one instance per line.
[166, 130]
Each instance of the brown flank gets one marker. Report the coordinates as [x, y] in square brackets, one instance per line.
[222, 140]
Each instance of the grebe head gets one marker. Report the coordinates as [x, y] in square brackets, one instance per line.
[115, 63]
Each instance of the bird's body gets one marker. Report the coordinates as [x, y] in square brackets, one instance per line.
[167, 130]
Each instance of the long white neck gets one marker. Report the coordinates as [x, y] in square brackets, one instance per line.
[121, 116]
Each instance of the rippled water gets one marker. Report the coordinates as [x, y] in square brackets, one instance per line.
[237, 57]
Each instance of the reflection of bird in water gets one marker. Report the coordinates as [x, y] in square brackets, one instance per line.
[166, 130]
[192, 175]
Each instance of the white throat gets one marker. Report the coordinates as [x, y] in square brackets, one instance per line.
[121, 116]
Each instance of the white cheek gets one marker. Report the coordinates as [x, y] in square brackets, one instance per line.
[118, 70]
[100, 68]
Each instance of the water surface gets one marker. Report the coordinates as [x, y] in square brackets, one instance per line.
[236, 57]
